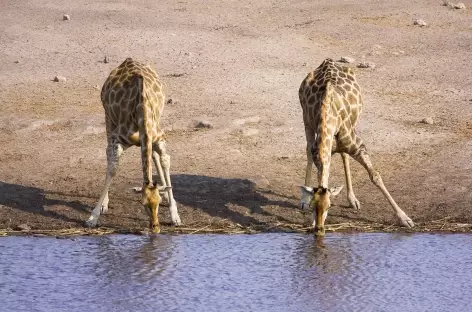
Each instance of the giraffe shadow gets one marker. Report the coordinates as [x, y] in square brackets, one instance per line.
[34, 200]
[237, 200]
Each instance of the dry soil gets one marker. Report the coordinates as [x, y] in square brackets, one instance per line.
[237, 65]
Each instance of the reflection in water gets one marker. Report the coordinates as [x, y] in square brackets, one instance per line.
[266, 272]
[118, 260]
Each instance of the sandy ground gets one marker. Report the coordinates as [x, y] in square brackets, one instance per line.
[237, 65]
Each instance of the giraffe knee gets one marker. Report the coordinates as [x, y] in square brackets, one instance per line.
[376, 178]
[165, 160]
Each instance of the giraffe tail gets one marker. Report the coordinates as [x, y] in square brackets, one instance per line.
[145, 120]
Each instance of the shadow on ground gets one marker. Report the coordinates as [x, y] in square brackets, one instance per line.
[238, 200]
[34, 201]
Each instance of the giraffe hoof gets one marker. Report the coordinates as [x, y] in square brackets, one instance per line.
[353, 202]
[104, 209]
[406, 221]
[91, 222]
[176, 220]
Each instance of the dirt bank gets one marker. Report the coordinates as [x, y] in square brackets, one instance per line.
[237, 66]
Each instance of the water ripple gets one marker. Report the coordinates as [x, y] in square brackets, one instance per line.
[266, 272]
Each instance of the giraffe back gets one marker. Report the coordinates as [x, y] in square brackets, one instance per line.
[346, 104]
[131, 91]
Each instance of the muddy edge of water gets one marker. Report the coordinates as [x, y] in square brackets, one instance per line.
[352, 227]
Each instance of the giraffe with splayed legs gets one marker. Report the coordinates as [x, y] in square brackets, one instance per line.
[133, 99]
[331, 101]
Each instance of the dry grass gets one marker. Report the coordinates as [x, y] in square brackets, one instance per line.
[436, 226]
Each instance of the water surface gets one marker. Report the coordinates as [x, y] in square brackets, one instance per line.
[264, 272]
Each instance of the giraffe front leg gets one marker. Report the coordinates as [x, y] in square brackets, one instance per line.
[363, 158]
[114, 152]
[165, 161]
[351, 198]
[306, 191]
[104, 207]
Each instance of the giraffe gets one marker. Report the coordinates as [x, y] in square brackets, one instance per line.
[133, 99]
[331, 101]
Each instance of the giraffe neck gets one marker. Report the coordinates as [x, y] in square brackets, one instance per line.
[325, 139]
[145, 131]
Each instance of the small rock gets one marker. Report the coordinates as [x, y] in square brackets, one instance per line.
[346, 59]
[459, 6]
[427, 120]
[106, 60]
[96, 87]
[253, 119]
[249, 132]
[171, 102]
[260, 181]
[23, 227]
[420, 23]
[60, 79]
[66, 17]
[17, 62]
[203, 124]
[446, 3]
[452, 90]
[366, 65]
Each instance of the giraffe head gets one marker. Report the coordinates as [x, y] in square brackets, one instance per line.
[151, 199]
[318, 199]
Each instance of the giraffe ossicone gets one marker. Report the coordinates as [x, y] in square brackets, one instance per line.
[331, 101]
[133, 100]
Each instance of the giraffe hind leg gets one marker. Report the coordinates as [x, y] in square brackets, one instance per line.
[360, 154]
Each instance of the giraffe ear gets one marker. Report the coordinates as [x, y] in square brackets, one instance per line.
[335, 190]
[306, 189]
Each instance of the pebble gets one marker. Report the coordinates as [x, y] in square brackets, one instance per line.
[346, 59]
[366, 65]
[96, 87]
[452, 90]
[23, 227]
[260, 181]
[17, 62]
[249, 132]
[171, 102]
[427, 120]
[106, 60]
[460, 6]
[60, 79]
[420, 23]
[203, 124]
[66, 17]
[253, 119]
